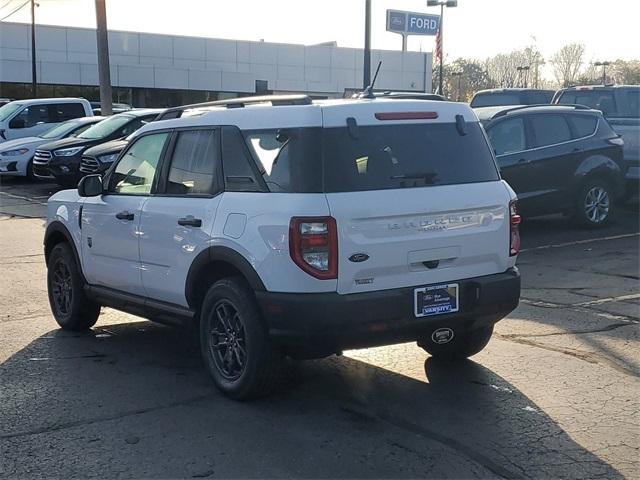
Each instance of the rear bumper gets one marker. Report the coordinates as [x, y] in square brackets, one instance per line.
[330, 322]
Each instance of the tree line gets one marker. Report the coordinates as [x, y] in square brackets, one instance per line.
[526, 68]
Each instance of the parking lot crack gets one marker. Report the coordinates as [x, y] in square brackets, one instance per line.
[104, 418]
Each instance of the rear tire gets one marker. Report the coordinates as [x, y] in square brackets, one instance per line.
[463, 345]
[70, 306]
[594, 204]
[235, 344]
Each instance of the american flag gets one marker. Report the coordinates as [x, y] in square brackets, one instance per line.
[438, 48]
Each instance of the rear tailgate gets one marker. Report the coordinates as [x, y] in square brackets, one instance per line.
[420, 236]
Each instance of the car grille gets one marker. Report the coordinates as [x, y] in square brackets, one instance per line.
[89, 165]
[42, 158]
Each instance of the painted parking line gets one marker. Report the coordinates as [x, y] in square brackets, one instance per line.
[580, 242]
[19, 197]
[600, 301]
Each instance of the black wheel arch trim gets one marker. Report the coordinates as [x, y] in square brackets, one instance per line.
[220, 254]
[58, 228]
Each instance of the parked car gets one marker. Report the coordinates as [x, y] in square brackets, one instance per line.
[558, 159]
[99, 159]
[16, 156]
[115, 107]
[620, 105]
[282, 226]
[511, 96]
[30, 118]
[61, 159]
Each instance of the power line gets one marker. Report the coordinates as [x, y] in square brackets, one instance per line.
[7, 16]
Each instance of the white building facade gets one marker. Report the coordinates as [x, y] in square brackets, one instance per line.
[163, 70]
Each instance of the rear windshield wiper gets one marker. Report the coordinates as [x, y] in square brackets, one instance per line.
[428, 177]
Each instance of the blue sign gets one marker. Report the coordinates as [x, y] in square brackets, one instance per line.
[411, 23]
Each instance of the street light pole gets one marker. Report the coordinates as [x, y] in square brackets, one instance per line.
[34, 82]
[604, 66]
[366, 81]
[104, 73]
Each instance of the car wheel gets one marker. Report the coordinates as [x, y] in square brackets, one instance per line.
[462, 344]
[594, 204]
[30, 174]
[70, 306]
[235, 344]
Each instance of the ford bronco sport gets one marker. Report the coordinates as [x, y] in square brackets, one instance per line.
[282, 226]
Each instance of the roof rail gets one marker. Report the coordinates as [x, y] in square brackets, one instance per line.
[502, 113]
[240, 102]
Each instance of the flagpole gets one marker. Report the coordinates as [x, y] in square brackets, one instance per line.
[441, 49]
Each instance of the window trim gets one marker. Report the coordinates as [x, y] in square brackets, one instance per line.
[167, 158]
[254, 163]
[532, 149]
[106, 180]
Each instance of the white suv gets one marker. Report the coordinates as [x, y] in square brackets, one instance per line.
[283, 226]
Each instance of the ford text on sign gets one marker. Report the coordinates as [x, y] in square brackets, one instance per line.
[412, 23]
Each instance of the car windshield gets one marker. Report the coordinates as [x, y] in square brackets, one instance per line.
[9, 109]
[493, 99]
[61, 130]
[106, 127]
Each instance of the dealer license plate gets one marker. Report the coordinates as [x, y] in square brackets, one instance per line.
[436, 299]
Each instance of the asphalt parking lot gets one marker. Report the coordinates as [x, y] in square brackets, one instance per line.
[556, 394]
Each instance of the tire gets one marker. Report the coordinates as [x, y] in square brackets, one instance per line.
[30, 175]
[250, 367]
[594, 204]
[70, 306]
[463, 344]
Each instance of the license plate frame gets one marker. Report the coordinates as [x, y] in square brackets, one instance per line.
[436, 299]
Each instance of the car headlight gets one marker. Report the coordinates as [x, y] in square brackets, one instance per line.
[14, 153]
[110, 158]
[67, 152]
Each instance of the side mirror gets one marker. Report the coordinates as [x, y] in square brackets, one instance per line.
[90, 186]
[17, 123]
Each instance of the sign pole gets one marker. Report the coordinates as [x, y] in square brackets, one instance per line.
[404, 42]
[366, 81]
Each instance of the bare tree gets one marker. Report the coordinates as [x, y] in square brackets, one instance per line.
[567, 63]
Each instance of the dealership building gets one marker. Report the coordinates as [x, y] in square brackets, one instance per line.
[156, 70]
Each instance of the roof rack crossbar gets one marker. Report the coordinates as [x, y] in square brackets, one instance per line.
[502, 113]
[240, 102]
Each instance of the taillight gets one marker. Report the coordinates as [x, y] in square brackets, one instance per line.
[313, 245]
[514, 229]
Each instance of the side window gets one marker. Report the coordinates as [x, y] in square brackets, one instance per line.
[239, 174]
[134, 173]
[583, 125]
[194, 163]
[633, 103]
[68, 111]
[508, 136]
[34, 115]
[549, 130]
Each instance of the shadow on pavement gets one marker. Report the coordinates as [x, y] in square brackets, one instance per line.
[133, 400]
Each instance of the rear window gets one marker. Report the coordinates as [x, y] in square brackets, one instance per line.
[405, 156]
[493, 99]
[308, 160]
[597, 98]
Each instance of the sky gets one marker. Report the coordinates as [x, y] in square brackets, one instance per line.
[475, 29]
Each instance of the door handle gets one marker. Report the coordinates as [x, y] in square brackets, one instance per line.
[125, 215]
[523, 160]
[190, 221]
[577, 149]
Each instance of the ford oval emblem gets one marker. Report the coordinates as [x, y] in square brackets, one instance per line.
[359, 257]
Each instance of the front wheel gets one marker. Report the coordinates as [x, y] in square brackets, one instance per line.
[461, 344]
[594, 204]
[70, 306]
[235, 344]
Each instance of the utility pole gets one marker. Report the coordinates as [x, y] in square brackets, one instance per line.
[366, 81]
[34, 81]
[104, 74]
